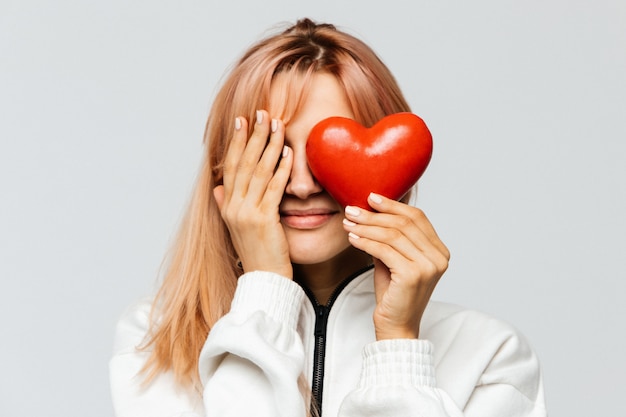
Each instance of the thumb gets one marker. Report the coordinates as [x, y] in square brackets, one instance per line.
[382, 277]
[218, 193]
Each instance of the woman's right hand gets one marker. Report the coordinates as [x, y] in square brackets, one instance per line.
[256, 171]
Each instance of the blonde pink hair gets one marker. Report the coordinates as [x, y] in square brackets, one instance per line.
[201, 268]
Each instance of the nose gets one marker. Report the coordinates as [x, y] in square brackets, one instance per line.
[302, 184]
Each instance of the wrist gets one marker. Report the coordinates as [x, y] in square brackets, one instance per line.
[387, 329]
[282, 270]
[389, 334]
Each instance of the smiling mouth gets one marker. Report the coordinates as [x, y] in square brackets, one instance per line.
[306, 219]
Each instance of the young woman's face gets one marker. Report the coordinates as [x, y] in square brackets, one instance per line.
[312, 219]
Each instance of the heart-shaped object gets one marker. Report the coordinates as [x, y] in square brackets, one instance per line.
[350, 161]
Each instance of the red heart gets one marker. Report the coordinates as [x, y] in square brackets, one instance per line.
[350, 161]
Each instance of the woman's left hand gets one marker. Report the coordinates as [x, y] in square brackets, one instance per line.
[409, 259]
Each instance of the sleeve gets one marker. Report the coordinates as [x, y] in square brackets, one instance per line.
[131, 397]
[254, 357]
[398, 378]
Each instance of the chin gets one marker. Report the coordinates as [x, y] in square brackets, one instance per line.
[315, 252]
[312, 257]
[308, 259]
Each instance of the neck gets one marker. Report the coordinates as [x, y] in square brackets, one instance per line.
[322, 278]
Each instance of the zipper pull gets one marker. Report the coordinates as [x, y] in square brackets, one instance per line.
[321, 318]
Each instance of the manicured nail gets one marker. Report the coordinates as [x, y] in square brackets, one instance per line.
[352, 211]
[285, 151]
[353, 236]
[375, 198]
[274, 125]
[348, 223]
[237, 123]
[259, 117]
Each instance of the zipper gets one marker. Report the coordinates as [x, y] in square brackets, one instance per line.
[317, 384]
[321, 323]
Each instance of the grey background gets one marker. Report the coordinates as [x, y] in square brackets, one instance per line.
[102, 107]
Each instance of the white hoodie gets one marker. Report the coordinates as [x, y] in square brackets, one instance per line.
[464, 364]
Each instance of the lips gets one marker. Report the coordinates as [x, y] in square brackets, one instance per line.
[306, 218]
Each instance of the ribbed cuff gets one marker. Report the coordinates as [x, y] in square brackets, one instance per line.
[280, 298]
[398, 362]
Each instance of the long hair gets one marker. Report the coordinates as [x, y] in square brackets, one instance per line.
[201, 274]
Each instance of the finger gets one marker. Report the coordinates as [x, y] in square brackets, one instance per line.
[276, 186]
[396, 232]
[387, 205]
[269, 162]
[399, 254]
[421, 272]
[405, 217]
[393, 259]
[388, 227]
[233, 154]
[252, 153]
[382, 277]
[389, 236]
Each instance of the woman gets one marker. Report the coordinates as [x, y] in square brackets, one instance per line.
[279, 302]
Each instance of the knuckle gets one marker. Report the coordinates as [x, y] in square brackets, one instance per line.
[418, 214]
[262, 171]
[229, 216]
[393, 234]
[430, 269]
[229, 166]
[246, 165]
[446, 253]
[440, 267]
[275, 187]
[404, 222]
[443, 264]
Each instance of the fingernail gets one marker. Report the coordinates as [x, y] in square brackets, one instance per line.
[348, 223]
[237, 123]
[353, 236]
[274, 125]
[352, 211]
[259, 117]
[285, 151]
[375, 198]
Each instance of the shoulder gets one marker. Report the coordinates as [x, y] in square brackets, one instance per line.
[132, 327]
